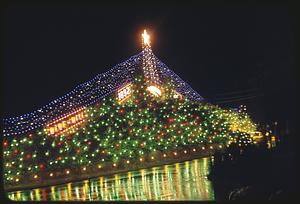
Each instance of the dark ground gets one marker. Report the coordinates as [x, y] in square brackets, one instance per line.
[258, 173]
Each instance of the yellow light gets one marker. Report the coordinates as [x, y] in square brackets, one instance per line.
[127, 161]
[211, 147]
[124, 92]
[175, 153]
[194, 150]
[52, 130]
[165, 155]
[51, 174]
[35, 176]
[152, 157]
[17, 180]
[203, 148]
[220, 146]
[154, 90]
[146, 38]
[185, 151]
[267, 133]
[141, 159]
[99, 166]
[84, 168]
[114, 164]
[68, 172]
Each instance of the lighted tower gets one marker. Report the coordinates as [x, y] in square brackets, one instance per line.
[149, 66]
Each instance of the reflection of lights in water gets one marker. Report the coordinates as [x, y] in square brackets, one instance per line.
[77, 193]
[18, 195]
[70, 191]
[180, 181]
[37, 193]
[273, 141]
[269, 144]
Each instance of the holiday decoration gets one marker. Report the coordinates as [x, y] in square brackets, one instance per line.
[67, 123]
[138, 111]
[124, 92]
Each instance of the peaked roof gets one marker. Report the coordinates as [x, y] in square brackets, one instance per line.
[92, 91]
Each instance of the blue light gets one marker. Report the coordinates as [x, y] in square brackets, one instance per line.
[93, 91]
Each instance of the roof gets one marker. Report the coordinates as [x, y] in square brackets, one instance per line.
[91, 92]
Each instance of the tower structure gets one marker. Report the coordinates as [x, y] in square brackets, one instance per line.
[149, 67]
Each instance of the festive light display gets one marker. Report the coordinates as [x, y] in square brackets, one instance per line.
[91, 92]
[68, 123]
[124, 92]
[138, 111]
[154, 90]
[180, 181]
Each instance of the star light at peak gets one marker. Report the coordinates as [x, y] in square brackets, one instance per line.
[146, 39]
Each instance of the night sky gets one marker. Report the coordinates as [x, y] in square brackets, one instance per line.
[224, 53]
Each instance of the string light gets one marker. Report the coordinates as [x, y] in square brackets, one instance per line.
[130, 123]
[93, 91]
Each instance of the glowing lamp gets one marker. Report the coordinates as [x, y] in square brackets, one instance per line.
[52, 130]
[154, 90]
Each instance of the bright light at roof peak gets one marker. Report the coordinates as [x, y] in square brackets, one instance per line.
[146, 38]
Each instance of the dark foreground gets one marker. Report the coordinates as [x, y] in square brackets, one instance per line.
[255, 173]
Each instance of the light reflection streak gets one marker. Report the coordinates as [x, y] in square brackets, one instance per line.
[180, 181]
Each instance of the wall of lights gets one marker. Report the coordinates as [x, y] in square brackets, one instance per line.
[93, 91]
[67, 124]
[115, 135]
[124, 92]
[137, 110]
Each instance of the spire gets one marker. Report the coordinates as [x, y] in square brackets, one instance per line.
[146, 39]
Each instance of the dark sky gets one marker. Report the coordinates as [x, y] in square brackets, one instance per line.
[224, 53]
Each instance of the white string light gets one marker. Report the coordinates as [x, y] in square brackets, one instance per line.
[93, 91]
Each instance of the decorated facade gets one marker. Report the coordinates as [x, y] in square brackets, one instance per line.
[138, 111]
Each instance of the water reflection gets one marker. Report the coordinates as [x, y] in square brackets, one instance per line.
[180, 181]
